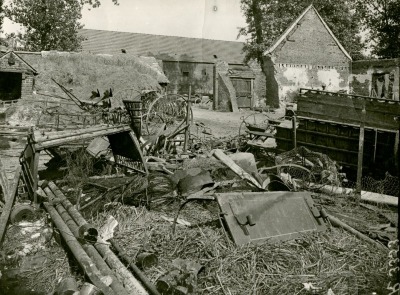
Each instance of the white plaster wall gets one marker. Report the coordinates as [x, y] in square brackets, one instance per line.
[292, 78]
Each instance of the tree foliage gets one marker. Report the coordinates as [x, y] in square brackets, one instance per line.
[50, 24]
[1, 15]
[268, 19]
[381, 18]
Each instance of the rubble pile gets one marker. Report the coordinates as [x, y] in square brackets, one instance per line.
[179, 211]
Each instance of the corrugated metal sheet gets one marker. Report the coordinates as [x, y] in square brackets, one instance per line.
[171, 47]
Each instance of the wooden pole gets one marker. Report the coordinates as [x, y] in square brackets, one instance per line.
[375, 144]
[9, 198]
[338, 223]
[187, 131]
[360, 152]
[220, 155]
[294, 123]
[215, 89]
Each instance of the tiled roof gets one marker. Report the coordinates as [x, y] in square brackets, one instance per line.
[162, 47]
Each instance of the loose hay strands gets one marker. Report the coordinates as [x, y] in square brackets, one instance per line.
[335, 260]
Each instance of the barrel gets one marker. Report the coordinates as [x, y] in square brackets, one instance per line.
[134, 109]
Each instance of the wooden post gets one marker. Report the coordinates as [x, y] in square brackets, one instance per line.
[375, 144]
[294, 121]
[187, 130]
[360, 152]
[252, 94]
[215, 89]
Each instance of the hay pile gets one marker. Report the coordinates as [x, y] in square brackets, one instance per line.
[84, 73]
[335, 260]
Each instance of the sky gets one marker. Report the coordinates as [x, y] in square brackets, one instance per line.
[209, 19]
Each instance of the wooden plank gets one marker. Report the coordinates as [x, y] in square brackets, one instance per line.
[219, 154]
[347, 109]
[10, 196]
[81, 136]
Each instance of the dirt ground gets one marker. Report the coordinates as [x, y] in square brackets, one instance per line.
[227, 124]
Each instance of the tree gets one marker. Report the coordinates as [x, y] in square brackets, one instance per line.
[49, 24]
[268, 19]
[381, 19]
[1, 15]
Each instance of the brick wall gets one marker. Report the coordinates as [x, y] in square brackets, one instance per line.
[309, 57]
[19, 66]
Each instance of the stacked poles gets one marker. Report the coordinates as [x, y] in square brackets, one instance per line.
[99, 263]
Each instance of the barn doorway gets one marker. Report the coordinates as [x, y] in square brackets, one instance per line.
[10, 85]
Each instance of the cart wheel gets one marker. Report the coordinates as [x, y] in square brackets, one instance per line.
[21, 212]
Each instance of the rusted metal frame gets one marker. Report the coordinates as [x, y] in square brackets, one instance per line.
[9, 197]
[77, 250]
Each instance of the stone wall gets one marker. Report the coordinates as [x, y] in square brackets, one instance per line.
[181, 74]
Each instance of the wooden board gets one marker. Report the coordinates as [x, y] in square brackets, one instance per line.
[278, 216]
[344, 108]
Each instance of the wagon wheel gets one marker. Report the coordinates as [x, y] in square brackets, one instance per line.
[151, 124]
[171, 109]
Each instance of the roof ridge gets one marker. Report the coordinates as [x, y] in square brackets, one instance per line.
[293, 25]
[161, 35]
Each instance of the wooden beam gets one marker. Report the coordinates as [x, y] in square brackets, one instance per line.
[9, 197]
[360, 152]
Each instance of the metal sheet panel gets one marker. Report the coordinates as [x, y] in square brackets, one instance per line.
[276, 216]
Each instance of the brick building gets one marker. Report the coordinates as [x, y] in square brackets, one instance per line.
[17, 77]
[189, 61]
[308, 55]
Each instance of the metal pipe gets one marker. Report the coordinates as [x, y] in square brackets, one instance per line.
[116, 285]
[109, 257]
[89, 268]
[90, 250]
[121, 253]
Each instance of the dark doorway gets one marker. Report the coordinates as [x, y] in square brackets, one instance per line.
[10, 85]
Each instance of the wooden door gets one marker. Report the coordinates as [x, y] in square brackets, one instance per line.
[243, 92]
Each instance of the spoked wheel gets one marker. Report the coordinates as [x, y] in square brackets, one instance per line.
[171, 109]
[152, 123]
